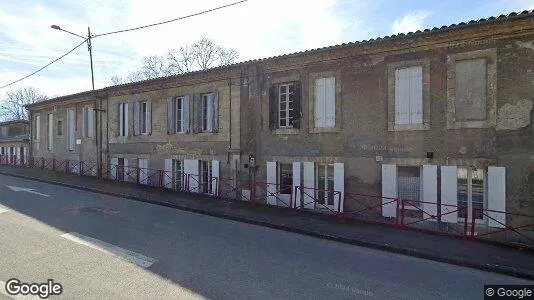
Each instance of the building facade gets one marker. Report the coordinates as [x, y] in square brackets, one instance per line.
[441, 117]
[14, 143]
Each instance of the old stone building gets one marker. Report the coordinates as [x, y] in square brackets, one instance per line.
[14, 141]
[440, 117]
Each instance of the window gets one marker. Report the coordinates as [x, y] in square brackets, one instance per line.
[177, 174]
[208, 112]
[324, 178]
[409, 95]
[409, 184]
[142, 117]
[71, 128]
[285, 178]
[59, 127]
[471, 191]
[325, 102]
[37, 127]
[50, 133]
[178, 115]
[284, 102]
[205, 176]
[123, 119]
[88, 122]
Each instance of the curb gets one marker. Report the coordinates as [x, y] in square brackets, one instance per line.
[510, 271]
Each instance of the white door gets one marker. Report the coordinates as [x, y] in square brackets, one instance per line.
[324, 176]
[143, 170]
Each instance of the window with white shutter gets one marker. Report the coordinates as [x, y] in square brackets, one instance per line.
[325, 102]
[409, 95]
[123, 119]
[88, 122]
[50, 133]
[178, 115]
[71, 128]
[37, 127]
[209, 112]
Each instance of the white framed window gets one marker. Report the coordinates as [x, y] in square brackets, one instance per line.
[37, 127]
[71, 128]
[88, 122]
[285, 178]
[142, 117]
[60, 127]
[206, 181]
[324, 183]
[123, 119]
[325, 102]
[177, 174]
[178, 115]
[208, 106]
[409, 185]
[50, 133]
[472, 192]
[409, 95]
[286, 102]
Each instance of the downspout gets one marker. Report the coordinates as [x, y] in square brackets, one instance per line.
[107, 129]
[230, 126]
[30, 151]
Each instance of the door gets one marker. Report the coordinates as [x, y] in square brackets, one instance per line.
[142, 163]
[285, 184]
[120, 168]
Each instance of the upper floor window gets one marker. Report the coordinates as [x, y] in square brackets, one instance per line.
[123, 119]
[37, 127]
[178, 115]
[325, 102]
[50, 132]
[206, 111]
[284, 105]
[142, 117]
[409, 95]
[59, 127]
[88, 122]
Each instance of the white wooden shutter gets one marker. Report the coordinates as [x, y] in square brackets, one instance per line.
[50, 132]
[339, 185]
[402, 97]
[497, 196]
[37, 127]
[296, 182]
[191, 169]
[25, 150]
[308, 185]
[171, 120]
[320, 100]
[90, 115]
[121, 119]
[389, 190]
[215, 113]
[449, 194]
[136, 124]
[416, 95]
[71, 121]
[185, 114]
[330, 102]
[430, 191]
[271, 182]
[17, 155]
[214, 174]
[142, 164]
[167, 178]
[149, 117]
[113, 168]
[126, 112]
[126, 170]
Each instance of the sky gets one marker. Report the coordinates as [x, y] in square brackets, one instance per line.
[256, 28]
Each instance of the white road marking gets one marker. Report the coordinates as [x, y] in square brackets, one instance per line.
[27, 190]
[125, 254]
[16, 297]
[3, 209]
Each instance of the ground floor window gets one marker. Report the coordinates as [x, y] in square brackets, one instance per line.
[409, 184]
[205, 176]
[471, 191]
[285, 178]
[324, 178]
[177, 174]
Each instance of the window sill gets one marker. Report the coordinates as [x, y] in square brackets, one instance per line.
[325, 130]
[469, 124]
[408, 127]
[283, 131]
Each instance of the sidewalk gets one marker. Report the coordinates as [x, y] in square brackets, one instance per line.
[509, 261]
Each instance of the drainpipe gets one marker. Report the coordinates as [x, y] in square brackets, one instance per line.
[230, 122]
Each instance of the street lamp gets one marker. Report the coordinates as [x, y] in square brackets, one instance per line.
[56, 27]
[88, 39]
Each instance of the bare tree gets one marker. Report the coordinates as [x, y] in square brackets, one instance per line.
[115, 80]
[12, 106]
[135, 76]
[206, 53]
[154, 66]
[181, 61]
[228, 56]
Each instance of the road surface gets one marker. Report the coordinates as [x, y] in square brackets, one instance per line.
[103, 247]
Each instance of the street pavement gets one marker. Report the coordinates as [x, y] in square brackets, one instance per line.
[104, 247]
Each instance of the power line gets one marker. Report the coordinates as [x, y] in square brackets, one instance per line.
[177, 19]
[55, 60]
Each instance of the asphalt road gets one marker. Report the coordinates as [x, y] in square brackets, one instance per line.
[102, 247]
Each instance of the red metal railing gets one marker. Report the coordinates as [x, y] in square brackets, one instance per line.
[483, 224]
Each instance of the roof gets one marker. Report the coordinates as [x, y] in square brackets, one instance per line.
[14, 122]
[409, 35]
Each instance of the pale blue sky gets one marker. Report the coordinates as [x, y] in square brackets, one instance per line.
[257, 28]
